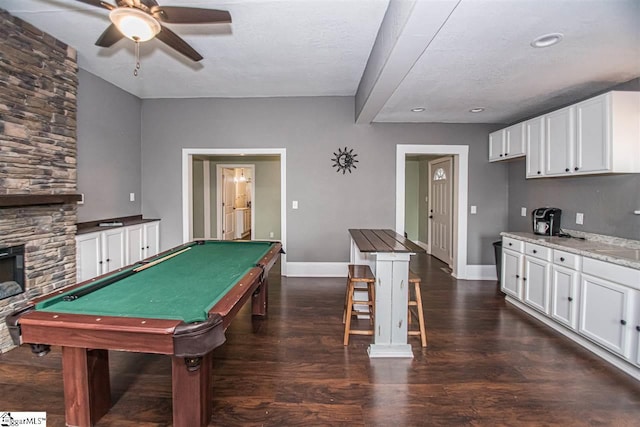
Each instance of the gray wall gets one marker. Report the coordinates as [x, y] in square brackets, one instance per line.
[108, 149]
[311, 129]
[607, 201]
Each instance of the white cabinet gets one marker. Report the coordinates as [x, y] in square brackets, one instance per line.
[507, 143]
[534, 137]
[101, 252]
[536, 277]
[564, 295]
[605, 309]
[243, 223]
[559, 141]
[511, 280]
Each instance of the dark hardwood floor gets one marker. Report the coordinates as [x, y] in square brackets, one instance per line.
[487, 364]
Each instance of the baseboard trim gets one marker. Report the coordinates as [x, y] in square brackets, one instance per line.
[317, 269]
[481, 272]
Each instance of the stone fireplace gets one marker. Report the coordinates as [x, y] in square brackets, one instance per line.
[38, 80]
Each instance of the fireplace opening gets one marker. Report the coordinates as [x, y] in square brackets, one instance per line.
[11, 271]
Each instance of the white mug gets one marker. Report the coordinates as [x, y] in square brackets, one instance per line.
[542, 227]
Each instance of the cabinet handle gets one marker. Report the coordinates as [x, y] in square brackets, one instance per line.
[576, 168]
[108, 260]
[623, 322]
[638, 328]
[539, 172]
[561, 259]
[99, 262]
[147, 247]
[500, 155]
[517, 276]
[570, 299]
[430, 216]
[524, 278]
[506, 154]
[510, 244]
[566, 170]
[534, 251]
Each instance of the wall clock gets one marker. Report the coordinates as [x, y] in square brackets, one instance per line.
[344, 160]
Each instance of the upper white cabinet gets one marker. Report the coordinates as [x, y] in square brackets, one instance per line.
[534, 140]
[599, 135]
[507, 143]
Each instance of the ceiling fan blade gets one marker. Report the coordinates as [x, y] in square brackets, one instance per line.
[109, 37]
[190, 15]
[172, 40]
[98, 3]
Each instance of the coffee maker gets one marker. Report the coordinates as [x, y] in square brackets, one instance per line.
[546, 221]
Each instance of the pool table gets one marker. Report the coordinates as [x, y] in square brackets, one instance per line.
[178, 303]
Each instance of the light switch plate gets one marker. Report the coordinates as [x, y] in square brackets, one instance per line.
[132, 197]
[579, 218]
[294, 204]
[523, 211]
[474, 210]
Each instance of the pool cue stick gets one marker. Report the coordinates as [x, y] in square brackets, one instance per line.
[158, 261]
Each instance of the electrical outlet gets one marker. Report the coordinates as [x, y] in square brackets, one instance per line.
[474, 210]
[523, 211]
[579, 218]
[294, 204]
[271, 234]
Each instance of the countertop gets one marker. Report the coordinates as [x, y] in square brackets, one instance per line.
[605, 248]
[93, 226]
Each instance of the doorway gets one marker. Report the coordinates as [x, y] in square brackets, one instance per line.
[273, 194]
[460, 173]
[234, 201]
[441, 209]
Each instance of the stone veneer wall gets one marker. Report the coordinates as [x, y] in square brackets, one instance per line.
[38, 88]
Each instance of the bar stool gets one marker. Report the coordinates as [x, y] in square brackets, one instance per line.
[415, 308]
[358, 275]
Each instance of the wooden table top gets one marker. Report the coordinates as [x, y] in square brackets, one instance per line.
[369, 240]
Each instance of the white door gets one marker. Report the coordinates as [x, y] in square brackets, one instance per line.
[228, 199]
[135, 243]
[88, 256]
[151, 238]
[113, 249]
[440, 208]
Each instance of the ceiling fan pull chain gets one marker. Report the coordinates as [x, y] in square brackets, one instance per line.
[137, 49]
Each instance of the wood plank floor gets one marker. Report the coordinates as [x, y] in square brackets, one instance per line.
[487, 364]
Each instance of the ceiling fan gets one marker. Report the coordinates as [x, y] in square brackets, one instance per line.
[141, 20]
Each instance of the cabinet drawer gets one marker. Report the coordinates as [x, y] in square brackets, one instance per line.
[513, 244]
[613, 272]
[566, 259]
[537, 251]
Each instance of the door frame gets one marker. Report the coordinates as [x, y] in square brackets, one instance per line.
[460, 155]
[219, 168]
[187, 187]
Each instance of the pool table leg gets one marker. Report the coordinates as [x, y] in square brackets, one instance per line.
[191, 392]
[259, 300]
[87, 391]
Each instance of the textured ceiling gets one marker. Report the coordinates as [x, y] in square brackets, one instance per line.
[446, 56]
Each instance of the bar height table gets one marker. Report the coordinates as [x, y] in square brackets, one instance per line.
[387, 253]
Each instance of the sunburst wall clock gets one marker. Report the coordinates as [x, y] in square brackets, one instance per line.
[344, 160]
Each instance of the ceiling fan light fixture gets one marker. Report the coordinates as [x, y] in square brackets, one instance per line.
[547, 40]
[135, 24]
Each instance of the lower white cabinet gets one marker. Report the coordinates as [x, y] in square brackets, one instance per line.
[104, 251]
[564, 296]
[605, 312]
[511, 281]
[594, 302]
[536, 283]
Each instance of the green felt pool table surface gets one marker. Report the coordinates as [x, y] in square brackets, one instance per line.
[183, 287]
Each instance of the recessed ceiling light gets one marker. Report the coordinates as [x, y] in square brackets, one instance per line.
[418, 109]
[476, 110]
[547, 40]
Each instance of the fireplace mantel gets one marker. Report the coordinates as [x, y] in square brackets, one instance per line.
[18, 200]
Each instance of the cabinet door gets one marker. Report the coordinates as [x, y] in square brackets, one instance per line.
[511, 273]
[135, 243]
[88, 256]
[604, 311]
[536, 283]
[593, 145]
[514, 141]
[559, 141]
[534, 135]
[496, 145]
[564, 287]
[113, 249]
[151, 238]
